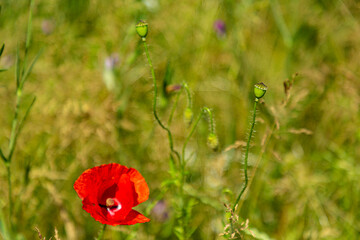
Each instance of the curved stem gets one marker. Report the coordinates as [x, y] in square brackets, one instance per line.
[101, 233]
[155, 102]
[246, 157]
[188, 95]
[9, 185]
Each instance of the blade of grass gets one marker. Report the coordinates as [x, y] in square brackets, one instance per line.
[174, 108]
[3, 228]
[29, 28]
[24, 77]
[280, 22]
[3, 156]
[21, 124]
[28, 39]
[17, 68]
[2, 49]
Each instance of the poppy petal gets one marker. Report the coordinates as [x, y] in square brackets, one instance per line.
[141, 187]
[134, 217]
[91, 179]
[85, 184]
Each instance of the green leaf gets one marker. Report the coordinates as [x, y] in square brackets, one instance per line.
[21, 124]
[258, 234]
[25, 116]
[28, 71]
[2, 49]
[188, 210]
[17, 68]
[4, 233]
[179, 232]
[3, 156]
[3, 70]
[29, 27]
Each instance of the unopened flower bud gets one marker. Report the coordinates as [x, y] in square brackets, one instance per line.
[142, 29]
[173, 88]
[188, 116]
[213, 141]
[260, 90]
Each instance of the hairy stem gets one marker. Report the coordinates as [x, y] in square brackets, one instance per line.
[246, 157]
[155, 103]
[211, 120]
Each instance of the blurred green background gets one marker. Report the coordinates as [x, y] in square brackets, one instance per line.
[94, 96]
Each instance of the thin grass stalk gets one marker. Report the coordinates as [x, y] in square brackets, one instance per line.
[174, 108]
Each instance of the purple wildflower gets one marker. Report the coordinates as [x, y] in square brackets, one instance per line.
[220, 28]
[160, 211]
[47, 27]
[111, 61]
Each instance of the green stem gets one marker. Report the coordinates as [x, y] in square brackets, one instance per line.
[101, 233]
[183, 160]
[246, 156]
[182, 168]
[2, 156]
[12, 144]
[211, 119]
[9, 186]
[12, 141]
[155, 102]
[203, 110]
[189, 136]
[188, 95]
[174, 108]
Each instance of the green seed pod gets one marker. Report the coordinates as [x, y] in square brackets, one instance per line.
[260, 90]
[142, 29]
[213, 141]
[188, 116]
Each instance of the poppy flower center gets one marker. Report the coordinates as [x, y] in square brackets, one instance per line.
[110, 202]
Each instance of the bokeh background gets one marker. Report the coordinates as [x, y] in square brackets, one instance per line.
[94, 96]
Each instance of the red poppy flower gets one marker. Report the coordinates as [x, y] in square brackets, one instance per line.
[110, 191]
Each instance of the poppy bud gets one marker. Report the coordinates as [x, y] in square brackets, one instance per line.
[173, 88]
[213, 141]
[142, 29]
[260, 90]
[188, 116]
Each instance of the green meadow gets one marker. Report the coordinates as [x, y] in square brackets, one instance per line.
[77, 91]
